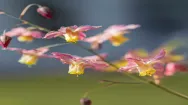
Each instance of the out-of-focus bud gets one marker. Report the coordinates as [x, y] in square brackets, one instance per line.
[45, 12]
[5, 41]
[96, 46]
[85, 101]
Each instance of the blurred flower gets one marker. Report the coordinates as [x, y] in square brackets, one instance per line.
[78, 64]
[24, 34]
[172, 68]
[72, 33]
[114, 33]
[45, 12]
[85, 101]
[144, 66]
[30, 57]
[5, 40]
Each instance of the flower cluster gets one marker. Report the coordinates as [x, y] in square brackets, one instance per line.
[157, 64]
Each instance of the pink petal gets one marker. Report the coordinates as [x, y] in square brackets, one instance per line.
[41, 50]
[159, 67]
[159, 56]
[53, 34]
[130, 66]
[98, 65]
[62, 29]
[86, 28]
[16, 31]
[170, 69]
[82, 36]
[95, 57]
[92, 39]
[36, 34]
[65, 58]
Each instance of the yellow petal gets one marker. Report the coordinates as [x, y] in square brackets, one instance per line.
[25, 38]
[76, 68]
[118, 39]
[28, 60]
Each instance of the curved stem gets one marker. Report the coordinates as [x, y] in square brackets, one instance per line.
[26, 8]
[93, 52]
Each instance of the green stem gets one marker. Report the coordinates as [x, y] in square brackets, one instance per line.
[93, 52]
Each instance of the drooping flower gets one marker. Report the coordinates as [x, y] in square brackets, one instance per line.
[30, 57]
[42, 10]
[114, 33]
[24, 34]
[5, 40]
[72, 33]
[145, 67]
[78, 64]
[45, 12]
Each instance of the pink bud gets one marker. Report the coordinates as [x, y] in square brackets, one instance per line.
[5, 41]
[85, 101]
[45, 12]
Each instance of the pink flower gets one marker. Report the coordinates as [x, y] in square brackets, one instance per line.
[24, 35]
[172, 68]
[72, 33]
[30, 57]
[78, 64]
[144, 66]
[45, 12]
[114, 33]
[5, 40]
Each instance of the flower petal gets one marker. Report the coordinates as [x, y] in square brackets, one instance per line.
[130, 66]
[53, 34]
[159, 56]
[82, 36]
[86, 28]
[95, 57]
[36, 34]
[65, 58]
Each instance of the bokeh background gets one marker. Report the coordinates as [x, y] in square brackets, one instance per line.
[48, 82]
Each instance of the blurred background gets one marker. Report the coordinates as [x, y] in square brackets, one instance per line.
[48, 83]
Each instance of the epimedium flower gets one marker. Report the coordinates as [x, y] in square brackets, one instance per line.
[145, 67]
[78, 64]
[30, 57]
[24, 34]
[71, 34]
[5, 40]
[114, 33]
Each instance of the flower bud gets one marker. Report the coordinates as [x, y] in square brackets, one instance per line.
[85, 101]
[45, 12]
[5, 41]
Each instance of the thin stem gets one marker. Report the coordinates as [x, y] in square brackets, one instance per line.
[117, 82]
[93, 52]
[27, 7]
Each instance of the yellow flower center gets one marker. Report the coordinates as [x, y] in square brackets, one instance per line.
[118, 39]
[25, 38]
[28, 60]
[71, 36]
[76, 68]
[146, 70]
